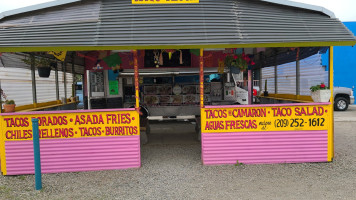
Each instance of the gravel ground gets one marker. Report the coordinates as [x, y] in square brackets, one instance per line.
[174, 171]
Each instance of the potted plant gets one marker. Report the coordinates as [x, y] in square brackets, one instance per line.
[9, 105]
[265, 93]
[237, 62]
[320, 93]
[42, 64]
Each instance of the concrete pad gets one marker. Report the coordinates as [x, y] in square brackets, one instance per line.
[346, 116]
[172, 132]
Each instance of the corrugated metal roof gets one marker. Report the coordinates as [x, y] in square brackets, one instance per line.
[63, 2]
[303, 5]
[121, 24]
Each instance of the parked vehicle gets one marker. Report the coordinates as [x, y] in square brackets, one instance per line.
[342, 98]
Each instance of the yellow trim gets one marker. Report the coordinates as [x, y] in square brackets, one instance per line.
[331, 108]
[36, 106]
[2, 148]
[134, 2]
[290, 97]
[93, 48]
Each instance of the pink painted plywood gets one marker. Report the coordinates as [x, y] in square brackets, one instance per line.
[73, 155]
[264, 147]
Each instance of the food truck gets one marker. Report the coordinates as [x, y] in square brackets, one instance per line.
[150, 53]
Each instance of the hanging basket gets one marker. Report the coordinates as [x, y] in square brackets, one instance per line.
[44, 72]
[321, 95]
[235, 70]
[9, 108]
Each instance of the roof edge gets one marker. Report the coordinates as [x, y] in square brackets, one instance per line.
[36, 7]
[62, 2]
[304, 6]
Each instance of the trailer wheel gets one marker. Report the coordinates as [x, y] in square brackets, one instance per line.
[341, 104]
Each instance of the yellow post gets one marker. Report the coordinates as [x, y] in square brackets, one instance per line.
[137, 89]
[2, 147]
[331, 108]
[201, 78]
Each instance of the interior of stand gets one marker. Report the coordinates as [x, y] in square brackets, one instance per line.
[169, 81]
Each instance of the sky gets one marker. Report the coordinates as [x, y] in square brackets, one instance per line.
[343, 9]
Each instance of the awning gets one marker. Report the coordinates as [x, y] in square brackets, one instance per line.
[112, 24]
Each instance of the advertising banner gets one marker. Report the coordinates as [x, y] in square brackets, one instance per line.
[274, 118]
[70, 125]
[163, 1]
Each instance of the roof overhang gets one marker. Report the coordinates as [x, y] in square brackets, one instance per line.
[303, 5]
[79, 25]
[222, 46]
[63, 2]
[36, 7]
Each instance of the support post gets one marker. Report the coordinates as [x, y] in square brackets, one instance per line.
[0, 98]
[250, 86]
[331, 107]
[201, 77]
[88, 89]
[137, 87]
[64, 66]
[276, 79]
[57, 84]
[37, 154]
[33, 77]
[260, 83]
[297, 82]
[73, 75]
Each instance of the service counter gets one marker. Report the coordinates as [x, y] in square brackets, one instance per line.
[264, 134]
[71, 141]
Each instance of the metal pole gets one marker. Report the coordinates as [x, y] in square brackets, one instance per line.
[73, 74]
[0, 99]
[57, 83]
[297, 81]
[250, 86]
[37, 154]
[88, 89]
[33, 77]
[331, 108]
[276, 79]
[64, 66]
[201, 77]
[137, 87]
[260, 83]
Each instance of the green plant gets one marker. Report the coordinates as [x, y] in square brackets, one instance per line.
[39, 61]
[322, 86]
[9, 102]
[4, 96]
[236, 61]
[238, 163]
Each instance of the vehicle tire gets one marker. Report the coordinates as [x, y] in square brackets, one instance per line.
[148, 128]
[143, 138]
[341, 104]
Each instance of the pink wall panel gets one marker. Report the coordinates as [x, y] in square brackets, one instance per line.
[72, 155]
[264, 147]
